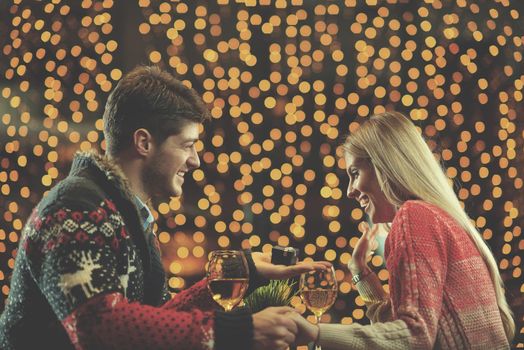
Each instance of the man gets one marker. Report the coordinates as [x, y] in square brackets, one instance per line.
[88, 272]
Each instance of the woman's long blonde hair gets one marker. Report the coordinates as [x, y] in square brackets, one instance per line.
[406, 169]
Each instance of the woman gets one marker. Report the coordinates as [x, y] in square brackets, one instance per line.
[445, 289]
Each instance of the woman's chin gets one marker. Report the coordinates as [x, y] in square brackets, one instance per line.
[376, 218]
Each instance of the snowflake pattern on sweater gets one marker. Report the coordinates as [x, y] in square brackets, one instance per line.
[87, 276]
[70, 252]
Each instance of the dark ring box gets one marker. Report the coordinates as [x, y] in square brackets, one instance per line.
[284, 255]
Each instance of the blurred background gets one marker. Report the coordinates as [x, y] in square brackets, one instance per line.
[285, 81]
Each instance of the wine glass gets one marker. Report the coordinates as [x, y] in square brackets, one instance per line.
[227, 277]
[318, 290]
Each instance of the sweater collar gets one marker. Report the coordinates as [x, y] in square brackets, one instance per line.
[113, 173]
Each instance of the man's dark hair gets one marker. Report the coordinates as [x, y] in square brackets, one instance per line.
[149, 98]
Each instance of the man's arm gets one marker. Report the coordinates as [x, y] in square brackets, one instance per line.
[73, 257]
[195, 296]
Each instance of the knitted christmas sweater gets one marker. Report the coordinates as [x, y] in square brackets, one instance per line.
[441, 294]
[87, 276]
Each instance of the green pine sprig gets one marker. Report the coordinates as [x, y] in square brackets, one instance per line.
[276, 293]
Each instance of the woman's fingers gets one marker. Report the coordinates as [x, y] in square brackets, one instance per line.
[364, 248]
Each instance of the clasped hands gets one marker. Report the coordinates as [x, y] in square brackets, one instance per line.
[278, 328]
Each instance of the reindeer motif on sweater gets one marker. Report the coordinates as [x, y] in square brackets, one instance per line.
[86, 263]
[131, 267]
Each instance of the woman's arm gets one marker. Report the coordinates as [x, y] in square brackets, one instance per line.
[417, 264]
[377, 300]
[367, 283]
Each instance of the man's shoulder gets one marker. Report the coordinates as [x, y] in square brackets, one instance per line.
[75, 203]
[75, 193]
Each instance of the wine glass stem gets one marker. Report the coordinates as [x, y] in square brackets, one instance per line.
[317, 347]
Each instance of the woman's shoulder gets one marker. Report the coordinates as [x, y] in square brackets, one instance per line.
[420, 208]
[422, 214]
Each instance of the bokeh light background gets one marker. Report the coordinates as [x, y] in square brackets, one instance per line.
[285, 81]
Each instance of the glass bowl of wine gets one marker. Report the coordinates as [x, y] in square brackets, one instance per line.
[318, 291]
[227, 277]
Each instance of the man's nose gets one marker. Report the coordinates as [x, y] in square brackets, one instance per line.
[194, 160]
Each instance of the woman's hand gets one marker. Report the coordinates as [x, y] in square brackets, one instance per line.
[306, 331]
[270, 271]
[363, 250]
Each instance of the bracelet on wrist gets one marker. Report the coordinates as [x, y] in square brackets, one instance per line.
[360, 276]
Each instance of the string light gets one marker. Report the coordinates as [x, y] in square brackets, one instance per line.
[285, 81]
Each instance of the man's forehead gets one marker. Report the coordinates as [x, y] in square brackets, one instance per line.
[191, 128]
[189, 131]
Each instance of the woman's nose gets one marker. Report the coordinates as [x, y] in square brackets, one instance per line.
[352, 192]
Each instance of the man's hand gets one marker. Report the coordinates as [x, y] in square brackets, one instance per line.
[273, 329]
[307, 332]
[279, 272]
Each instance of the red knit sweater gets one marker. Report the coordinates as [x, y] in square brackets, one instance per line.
[442, 296]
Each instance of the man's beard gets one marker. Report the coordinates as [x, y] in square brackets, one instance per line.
[156, 182]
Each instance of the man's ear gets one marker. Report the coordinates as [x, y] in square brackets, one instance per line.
[142, 141]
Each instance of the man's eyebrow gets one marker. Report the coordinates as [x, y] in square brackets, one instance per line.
[190, 139]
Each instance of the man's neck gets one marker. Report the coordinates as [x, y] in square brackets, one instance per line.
[131, 169]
